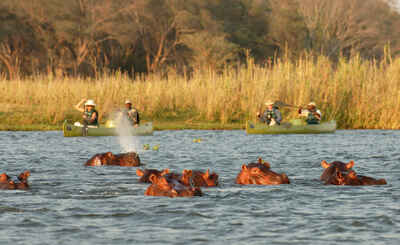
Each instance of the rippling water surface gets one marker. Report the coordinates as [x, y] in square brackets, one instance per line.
[72, 204]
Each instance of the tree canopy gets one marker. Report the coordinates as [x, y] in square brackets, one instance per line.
[89, 37]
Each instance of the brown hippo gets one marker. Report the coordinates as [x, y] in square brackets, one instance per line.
[130, 159]
[6, 183]
[145, 174]
[351, 178]
[343, 174]
[199, 178]
[334, 167]
[170, 187]
[260, 174]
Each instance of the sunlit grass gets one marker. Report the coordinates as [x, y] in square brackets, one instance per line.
[355, 92]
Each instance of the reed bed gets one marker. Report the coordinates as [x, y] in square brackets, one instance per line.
[357, 93]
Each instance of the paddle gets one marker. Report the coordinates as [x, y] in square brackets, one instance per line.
[283, 104]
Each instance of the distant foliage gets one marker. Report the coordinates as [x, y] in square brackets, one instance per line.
[92, 37]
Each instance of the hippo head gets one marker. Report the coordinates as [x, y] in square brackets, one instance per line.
[100, 159]
[210, 179]
[4, 178]
[145, 174]
[129, 159]
[199, 178]
[337, 178]
[333, 167]
[164, 186]
[260, 174]
[23, 177]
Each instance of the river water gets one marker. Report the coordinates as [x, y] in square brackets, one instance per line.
[72, 204]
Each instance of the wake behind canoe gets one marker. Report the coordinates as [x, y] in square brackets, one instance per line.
[70, 130]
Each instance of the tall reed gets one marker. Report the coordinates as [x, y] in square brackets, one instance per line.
[357, 93]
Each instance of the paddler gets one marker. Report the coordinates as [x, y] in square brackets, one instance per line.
[312, 114]
[271, 115]
[90, 115]
[131, 113]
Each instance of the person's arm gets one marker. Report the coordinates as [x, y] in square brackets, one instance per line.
[78, 106]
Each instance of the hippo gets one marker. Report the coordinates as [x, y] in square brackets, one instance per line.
[334, 167]
[130, 159]
[260, 174]
[6, 183]
[343, 174]
[198, 178]
[145, 174]
[170, 187]
[351, 178]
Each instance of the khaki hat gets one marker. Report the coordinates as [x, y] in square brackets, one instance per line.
[90, 102]
[128, 102]
[269, 102]
[312, 104]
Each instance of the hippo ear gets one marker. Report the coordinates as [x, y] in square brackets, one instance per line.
[164, 172]
[325, 164]
[244, 167]
[139, 172]
[3, 177]
[187, 172]
[350, 164]
[153, 178]
[207, 173]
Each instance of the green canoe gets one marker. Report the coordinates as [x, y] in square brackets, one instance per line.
[296, 126]
[70, 130]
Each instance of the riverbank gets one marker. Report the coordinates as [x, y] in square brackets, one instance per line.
[157, 126]
[357, 93]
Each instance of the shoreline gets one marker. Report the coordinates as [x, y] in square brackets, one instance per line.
[158, 126]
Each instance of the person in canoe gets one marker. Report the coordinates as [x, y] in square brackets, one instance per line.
[312, 114]
[90, 115]
[131, 113]
[271, 115]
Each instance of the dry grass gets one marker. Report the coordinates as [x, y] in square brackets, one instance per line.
[355, 92]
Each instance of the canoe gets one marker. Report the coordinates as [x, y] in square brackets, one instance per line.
[70, 130]
[296, 126]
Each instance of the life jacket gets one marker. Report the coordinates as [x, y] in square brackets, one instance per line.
[89, 114]
[311, 118]
[270, 115]
[133, 116]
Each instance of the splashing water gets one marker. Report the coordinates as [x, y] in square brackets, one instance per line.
[127, 141]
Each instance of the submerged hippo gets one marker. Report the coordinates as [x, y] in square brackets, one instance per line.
[170, 187]
[130, 159]
[6, 183]
[260, 174]
[339, 173]
[198, 178]
[145, 174]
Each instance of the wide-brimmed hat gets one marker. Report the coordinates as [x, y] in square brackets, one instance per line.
[90, 102]
[128, 102]
[312, 103]
[269, 102]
